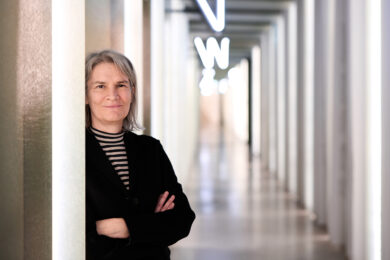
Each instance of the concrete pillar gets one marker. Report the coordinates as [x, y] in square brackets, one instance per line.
[42, 166]
[385, 127]
[12, 140]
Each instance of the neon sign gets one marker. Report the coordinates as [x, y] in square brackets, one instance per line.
[212, 50]
[217, 22]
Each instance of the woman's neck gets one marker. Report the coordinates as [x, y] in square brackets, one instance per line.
[112, 129]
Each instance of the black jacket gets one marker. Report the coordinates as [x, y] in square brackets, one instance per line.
[151, 173]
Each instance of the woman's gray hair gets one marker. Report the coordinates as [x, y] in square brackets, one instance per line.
[125, 66]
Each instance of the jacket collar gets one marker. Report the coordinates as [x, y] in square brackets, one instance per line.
[96, 156]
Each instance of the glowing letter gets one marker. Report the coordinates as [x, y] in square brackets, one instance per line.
[217, 22]
[212, 51]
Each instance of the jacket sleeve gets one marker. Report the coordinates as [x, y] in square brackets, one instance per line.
[99, 246]
[164, 228]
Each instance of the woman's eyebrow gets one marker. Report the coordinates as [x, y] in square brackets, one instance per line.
[123, 81]
[99, 82]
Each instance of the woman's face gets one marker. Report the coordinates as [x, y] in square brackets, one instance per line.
[108, 95]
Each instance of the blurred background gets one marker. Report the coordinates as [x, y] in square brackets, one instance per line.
[274, 114]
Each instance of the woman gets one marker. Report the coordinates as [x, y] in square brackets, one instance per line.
[135, 208]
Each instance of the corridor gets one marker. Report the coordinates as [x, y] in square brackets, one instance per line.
[300, 168]
[243, 212]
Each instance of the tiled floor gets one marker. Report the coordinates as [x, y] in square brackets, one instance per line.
[242, 211]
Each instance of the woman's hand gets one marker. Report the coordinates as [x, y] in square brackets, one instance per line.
[163, 204]
[112, 227]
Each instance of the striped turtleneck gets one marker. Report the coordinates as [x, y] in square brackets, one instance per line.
[114, 147]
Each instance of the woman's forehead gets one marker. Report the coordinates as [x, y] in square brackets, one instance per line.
[107, 72]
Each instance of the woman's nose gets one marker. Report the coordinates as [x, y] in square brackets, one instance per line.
[113, 93]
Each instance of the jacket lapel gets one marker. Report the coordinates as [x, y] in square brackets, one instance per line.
[96, 156]
[131, 151]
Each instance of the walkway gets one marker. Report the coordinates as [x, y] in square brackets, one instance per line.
[243, 213]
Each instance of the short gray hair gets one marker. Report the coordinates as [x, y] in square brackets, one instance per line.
[126, 67]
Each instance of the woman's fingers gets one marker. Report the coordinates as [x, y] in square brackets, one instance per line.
[168, 204]
[163, 204]
[171, 206]
[160, 202]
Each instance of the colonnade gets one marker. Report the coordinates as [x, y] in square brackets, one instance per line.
[324, 116]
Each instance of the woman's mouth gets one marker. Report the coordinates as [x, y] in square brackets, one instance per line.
[113, 106]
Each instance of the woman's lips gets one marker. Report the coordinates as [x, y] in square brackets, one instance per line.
[113, 106]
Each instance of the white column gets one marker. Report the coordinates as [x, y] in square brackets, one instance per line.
[133, 46]
[308, 86]
[374, 127]
[305, 102]
[337, 136]
[281, 100]
[157, 67]
[292, 97]
[176, 88]
[272, 102]
[300, 100]
[328, 12]
[385, 127]
[357, 79]
[321, 79]
[264, 45]
[256, 100]
[365, 128]
[68, 127]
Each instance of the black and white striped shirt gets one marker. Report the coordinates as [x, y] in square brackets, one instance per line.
[114, 147]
